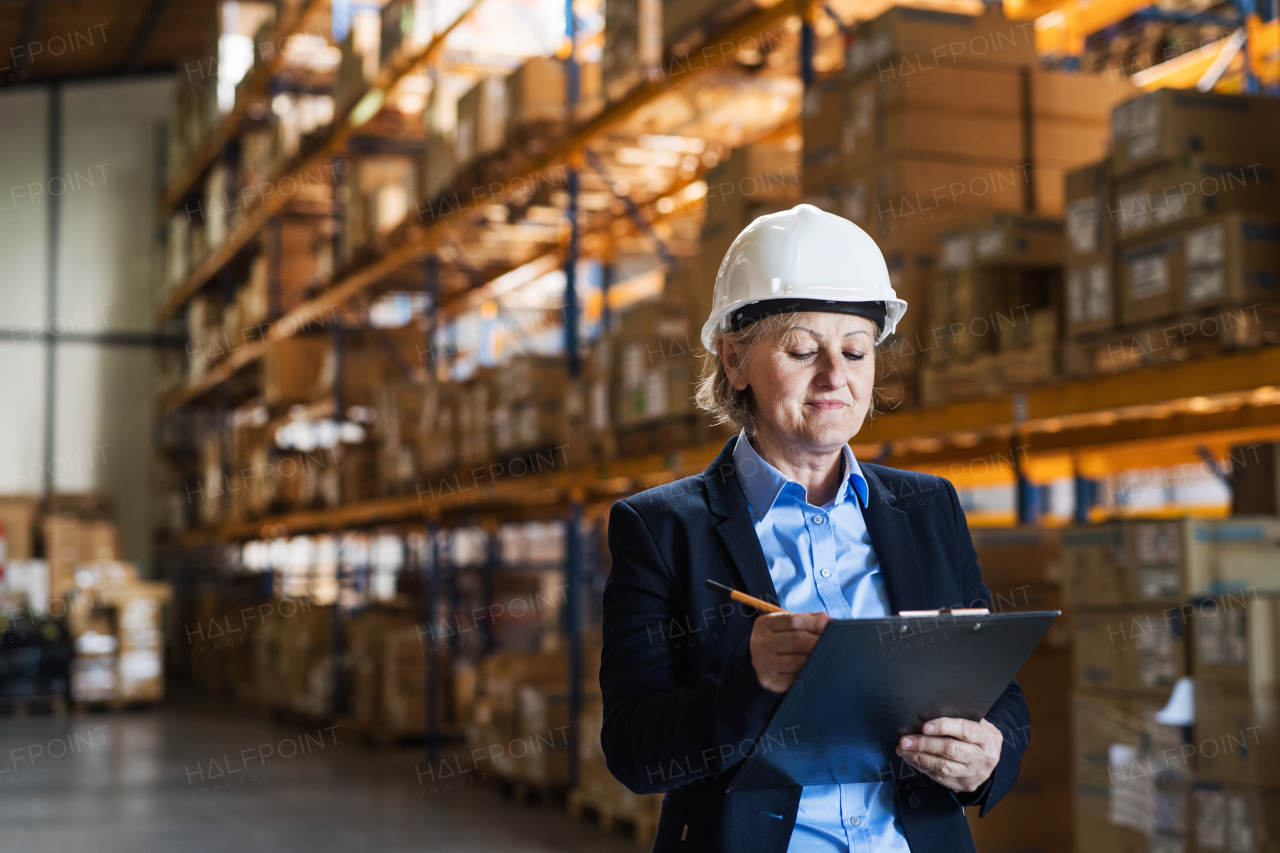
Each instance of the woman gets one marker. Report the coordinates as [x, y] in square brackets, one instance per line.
[787, 514]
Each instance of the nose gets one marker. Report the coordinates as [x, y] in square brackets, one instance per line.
[828, 370]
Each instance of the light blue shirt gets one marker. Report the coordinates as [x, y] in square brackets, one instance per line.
[821, 560]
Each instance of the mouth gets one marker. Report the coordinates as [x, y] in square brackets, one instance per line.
[826, 405]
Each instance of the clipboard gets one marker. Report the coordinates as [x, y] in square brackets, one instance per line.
[870, 681]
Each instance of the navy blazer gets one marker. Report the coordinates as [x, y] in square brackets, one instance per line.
[682, 705]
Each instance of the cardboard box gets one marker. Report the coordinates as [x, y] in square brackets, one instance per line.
[1094, 831]
[632, 46]
[1234, 817]
[1136, 649]
[906, 42]
[1174, 195]
[536, 93]
[1237, 736]
[1014, 239]
[1152, 272]
[17, 523]
[1168, 124]
[1034, 817]
[291, 368]
[1237, 643]
[1089, 193]
[1230, 554]
[1013, 556]
[913, 199]
[1091, 303]
[482, 120]
[1095, 565]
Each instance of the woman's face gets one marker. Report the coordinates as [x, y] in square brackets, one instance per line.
[813, 381]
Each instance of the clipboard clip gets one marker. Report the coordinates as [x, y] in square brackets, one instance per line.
[945, 611]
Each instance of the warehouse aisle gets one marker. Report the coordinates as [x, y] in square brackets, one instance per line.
[132, 783]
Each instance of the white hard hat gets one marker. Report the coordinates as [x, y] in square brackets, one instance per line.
[805, 259]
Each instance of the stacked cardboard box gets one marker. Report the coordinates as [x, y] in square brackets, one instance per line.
[70, 541]
[1021, 567]
[1139, 784]
[938, 118]
[361, 54]
[632, 46]
[528, 408]
[1089, 252]
[588, 419]
[383, 191]
[17, 522]
[600, 792]
[1237, 727]
[482, 120]
[752, 181]
[656, 375]
[1175, 231]
[535, 111]
[920, 129]
[294, 662]
[521, 716]
[115, 625]
[474, 420]
[995, 308]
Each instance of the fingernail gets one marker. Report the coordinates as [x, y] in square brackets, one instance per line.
[928, 729]
[906, 743]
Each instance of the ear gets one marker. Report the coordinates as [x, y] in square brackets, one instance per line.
[730, 355]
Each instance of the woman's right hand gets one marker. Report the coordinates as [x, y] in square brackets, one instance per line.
[781, 643]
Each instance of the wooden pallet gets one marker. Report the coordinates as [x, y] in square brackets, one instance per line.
[643, 827]
[26, 706]
[533, 793]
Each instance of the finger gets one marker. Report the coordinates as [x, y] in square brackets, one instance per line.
[792, 643]
[931, 774]
[788, 663]
[936, 763]
[966, 730]
[947, 747]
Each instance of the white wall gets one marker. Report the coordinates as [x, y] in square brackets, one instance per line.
[106, 245]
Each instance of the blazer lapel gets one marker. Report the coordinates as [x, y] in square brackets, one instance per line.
[739, 536]
[891, 536]
[726, 499]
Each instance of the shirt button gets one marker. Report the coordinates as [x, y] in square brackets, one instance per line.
[817, 519]
[826, 573]
[857, 821]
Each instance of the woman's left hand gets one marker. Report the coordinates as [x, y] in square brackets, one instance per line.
[957, 754]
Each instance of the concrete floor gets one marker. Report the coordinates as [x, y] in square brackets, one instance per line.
[131, 782]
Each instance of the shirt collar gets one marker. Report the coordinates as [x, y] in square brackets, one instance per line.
[763, 483]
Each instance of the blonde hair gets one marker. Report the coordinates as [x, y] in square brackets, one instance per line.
[715, 393]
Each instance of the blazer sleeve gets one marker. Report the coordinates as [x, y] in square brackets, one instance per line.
[1009, 714]
[660, 733]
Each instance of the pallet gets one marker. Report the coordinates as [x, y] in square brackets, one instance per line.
[1179, 338]
[26, 706]
[533, 793]
[642, 827]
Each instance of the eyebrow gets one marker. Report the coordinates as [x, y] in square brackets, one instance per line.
[821, 337]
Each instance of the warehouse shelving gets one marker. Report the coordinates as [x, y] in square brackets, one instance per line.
[1086, 427]
[298, 19]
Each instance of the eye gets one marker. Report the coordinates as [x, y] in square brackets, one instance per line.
[802, 356]
[855, 356]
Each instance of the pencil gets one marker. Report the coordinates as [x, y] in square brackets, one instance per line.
[757, 603]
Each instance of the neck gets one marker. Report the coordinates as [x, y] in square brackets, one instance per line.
[820, 470]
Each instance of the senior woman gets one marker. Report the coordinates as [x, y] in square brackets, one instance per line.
[787, 514]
